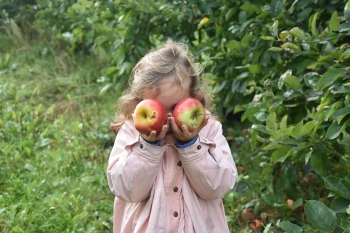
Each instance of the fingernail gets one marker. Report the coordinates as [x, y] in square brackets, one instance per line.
[165, 127]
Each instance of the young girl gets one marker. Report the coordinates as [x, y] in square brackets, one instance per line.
[172, 180]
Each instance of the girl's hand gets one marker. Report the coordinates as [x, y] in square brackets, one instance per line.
[153, 137]
[183, 134]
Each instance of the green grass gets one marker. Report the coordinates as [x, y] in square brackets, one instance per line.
[54, 143]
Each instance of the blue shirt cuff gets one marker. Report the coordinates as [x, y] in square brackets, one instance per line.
[178, 144]
[153, 144]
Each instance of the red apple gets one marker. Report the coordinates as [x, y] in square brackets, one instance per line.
[256, 224]
[189, 112]
[149, 115]
[290, 203]
[248, 214]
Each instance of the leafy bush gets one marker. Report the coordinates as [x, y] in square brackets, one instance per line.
[306, 111]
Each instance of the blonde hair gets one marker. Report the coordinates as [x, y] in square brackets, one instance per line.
[171, 60]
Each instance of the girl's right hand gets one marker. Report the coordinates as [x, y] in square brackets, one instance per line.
[153, 137]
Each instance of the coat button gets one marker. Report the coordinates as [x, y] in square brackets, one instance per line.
[141, 146]
[175, 189]
[199, 147]
[179, 163]
[175, 214]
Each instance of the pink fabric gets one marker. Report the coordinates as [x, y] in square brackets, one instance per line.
[150, 186]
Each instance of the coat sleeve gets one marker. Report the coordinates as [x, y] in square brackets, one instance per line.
[208, 163]
[133, 165]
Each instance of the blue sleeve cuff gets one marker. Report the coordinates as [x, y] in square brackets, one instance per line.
[178, 144]
[157, 143]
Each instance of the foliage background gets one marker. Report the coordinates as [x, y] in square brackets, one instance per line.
[278, 68]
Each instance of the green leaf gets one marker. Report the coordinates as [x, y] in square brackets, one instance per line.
[289, 227]
[334, 23]
[246, 39]
[105, 88]
[329, 77]
[346, 160]
[319, 158]
[233, 44]
[230, 12]
[292, 82]
[283, 77]
[283, 35]
[312, 23]
[345, 224]
[345, 54]
[111, 70]
[275, 49]
[296, 132]
[307, 157]
[341, 186]
[340, 204]
[273, 146]
[340, 112]
[250, 7]
[347, 11]
[283, 125]
[321, 217]
[274, 28]
[153, 4]
[344, 27]
[291, 47]
[254, 69]
[270, 199]
[297, 33]
[280, 154]
[334, 108]
[261, 139]
[307, 128]
[217, 89]
[271, 125]
[333, 131]
[297, 203]
[260, 128]
[267, 228]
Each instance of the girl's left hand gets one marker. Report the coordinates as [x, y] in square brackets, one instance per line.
[183, 134]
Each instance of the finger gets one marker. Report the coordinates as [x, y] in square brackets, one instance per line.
[173, 125]
[185, 130]
[168, 123]
[149, 137]
[152, 136]
[162, 133]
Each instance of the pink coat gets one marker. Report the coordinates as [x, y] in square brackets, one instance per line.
[168, 189]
